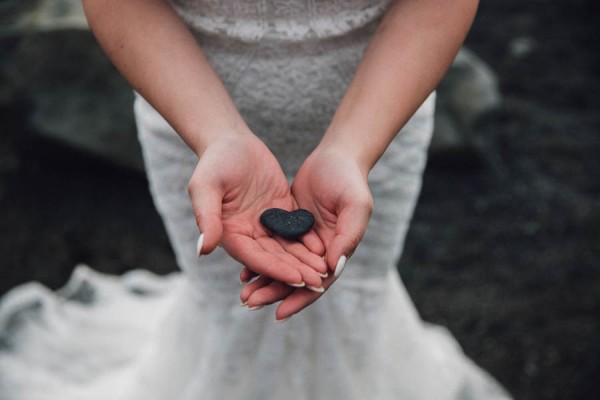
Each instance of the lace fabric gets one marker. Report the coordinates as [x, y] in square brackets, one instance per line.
[279, 20]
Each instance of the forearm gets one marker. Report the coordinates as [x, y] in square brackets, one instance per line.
[407, 57]
[157, 54]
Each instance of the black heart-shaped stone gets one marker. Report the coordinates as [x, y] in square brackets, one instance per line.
[287, 224]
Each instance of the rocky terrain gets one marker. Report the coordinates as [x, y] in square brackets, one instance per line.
[504, 247]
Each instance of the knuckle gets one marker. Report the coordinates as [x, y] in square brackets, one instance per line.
[351, 241]
[369, 205]
[366, 203]
[191, 188]
[354, 241]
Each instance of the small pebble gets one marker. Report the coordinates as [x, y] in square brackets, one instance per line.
[287, 224]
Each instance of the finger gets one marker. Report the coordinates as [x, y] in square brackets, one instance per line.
[302, 253]
[310, 277]
[251, 287]
[207, 203]
[350, 227]
[311, 240]
[313, 243]
[294, 303]
[299, 300]
[246, 274]
[269, 294]
[250, 253]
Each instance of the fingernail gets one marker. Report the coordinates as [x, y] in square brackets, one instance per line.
[301, 284]
[339, 268]
[316, 289]
[255, 308]
[244, 304]
[282, 320]
[199, 245]
[325, 275]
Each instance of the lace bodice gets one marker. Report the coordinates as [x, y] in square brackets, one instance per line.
[291, 20]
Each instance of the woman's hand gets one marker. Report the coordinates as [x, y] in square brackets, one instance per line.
[333, 186]
[236, 179]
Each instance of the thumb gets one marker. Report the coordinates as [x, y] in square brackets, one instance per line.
[207, 203]
[350, 228]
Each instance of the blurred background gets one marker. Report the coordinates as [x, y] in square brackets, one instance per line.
[504, 248]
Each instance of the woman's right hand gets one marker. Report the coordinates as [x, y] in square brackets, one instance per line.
[236, 179]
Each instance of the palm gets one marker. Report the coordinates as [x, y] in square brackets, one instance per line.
[246, 179]
[327, 185]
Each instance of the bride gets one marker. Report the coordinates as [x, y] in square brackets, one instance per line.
[235, 100]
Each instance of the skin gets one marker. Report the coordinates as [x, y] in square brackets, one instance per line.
[406, 58]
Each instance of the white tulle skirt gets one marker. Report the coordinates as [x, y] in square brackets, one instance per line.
[141, 336]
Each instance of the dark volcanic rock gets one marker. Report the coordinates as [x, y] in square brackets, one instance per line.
[76, 97]
[287, 224]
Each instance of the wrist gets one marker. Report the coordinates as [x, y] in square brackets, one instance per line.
[335, 147]
[352, 146]
[202, 140]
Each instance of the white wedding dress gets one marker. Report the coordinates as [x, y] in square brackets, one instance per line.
[286, 63]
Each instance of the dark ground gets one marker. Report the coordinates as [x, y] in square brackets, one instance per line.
[504, 250]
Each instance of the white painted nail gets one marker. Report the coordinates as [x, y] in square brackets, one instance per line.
[282, 320]
[339, 268]
[255, 308]
[316, 289]
[244, 304]
[301, 284]
[199, 245]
